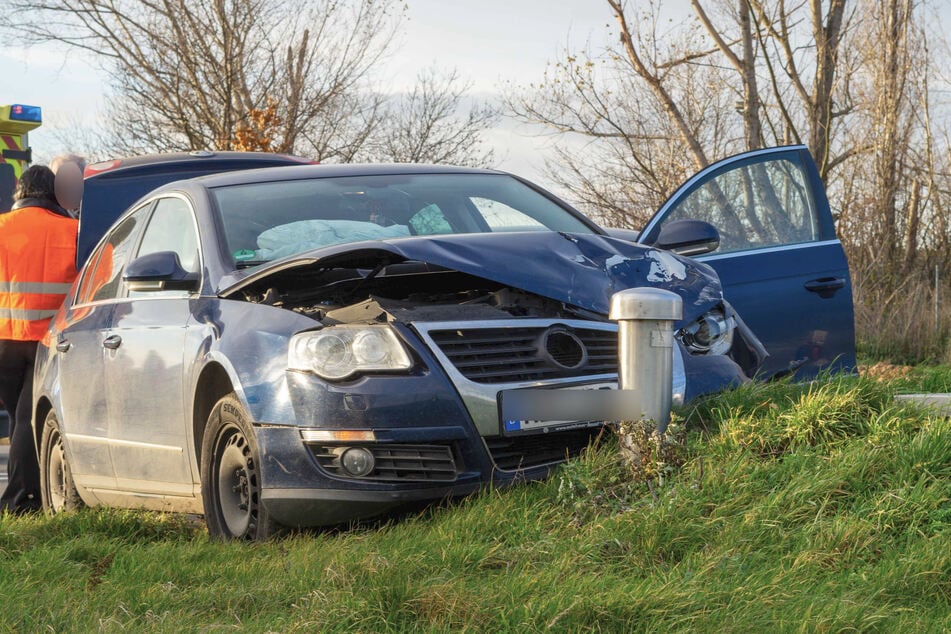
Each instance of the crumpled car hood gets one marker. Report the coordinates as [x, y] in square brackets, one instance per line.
[581, 270]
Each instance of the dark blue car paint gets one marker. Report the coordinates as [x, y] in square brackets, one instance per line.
[81, 365]
[577, 269]
[390, 405]
[141, 373]
[754, 282]
[282, 401]
[804, 331]
[220, 332]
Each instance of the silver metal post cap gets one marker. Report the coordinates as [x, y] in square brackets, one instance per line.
[646, 303]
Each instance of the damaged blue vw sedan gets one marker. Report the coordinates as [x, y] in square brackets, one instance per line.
[307, 346]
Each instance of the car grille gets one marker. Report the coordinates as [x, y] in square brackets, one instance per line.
[434, 463]
[522, 452]
[509, 355]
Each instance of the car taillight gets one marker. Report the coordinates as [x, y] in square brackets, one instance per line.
[99, 168]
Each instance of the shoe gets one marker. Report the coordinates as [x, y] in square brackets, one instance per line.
[21, 505]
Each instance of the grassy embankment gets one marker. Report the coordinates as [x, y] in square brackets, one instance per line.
[799, 508]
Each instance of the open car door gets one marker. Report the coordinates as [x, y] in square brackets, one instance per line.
[781, 265]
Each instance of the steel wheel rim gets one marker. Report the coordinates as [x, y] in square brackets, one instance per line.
[236, 483]
[57, 474]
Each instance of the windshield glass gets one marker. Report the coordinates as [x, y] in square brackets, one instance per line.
[267, 221]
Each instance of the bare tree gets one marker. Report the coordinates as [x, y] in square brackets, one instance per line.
[188, 75]
[697, 88]
[636, 120]
[653, 76]
[894, 110]
[890, 213]
[744, 63]
[433, 125]
[778, 27]
[70, 132]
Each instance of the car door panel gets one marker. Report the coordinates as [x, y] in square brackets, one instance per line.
[803, 331]
[144, 372]
[145, 369]
[779, 261]
[83, 394]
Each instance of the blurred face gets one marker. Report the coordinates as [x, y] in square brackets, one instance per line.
[68, 185]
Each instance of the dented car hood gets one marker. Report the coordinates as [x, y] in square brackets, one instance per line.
[580, 270]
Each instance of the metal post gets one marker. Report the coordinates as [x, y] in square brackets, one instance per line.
[937, 301]
[645, 319]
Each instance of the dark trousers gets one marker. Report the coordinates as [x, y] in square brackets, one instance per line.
[16, 392]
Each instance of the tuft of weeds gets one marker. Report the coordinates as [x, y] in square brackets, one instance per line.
[924, 378]
[651, 456]
[597, 482]
[780, 418]
[604, 480]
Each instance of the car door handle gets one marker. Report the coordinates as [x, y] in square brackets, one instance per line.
[112, 342]
[63, 345]
[825, 286]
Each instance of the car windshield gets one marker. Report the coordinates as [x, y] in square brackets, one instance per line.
[268, 221]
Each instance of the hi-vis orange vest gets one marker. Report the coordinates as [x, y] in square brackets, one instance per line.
[37, 267]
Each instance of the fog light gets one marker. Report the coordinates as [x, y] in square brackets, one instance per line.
[357, 461]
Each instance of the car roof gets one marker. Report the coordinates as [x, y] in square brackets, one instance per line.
[292, 172]
[111, 187]
[129, 165]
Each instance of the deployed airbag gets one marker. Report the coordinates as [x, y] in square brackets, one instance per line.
[304, 235]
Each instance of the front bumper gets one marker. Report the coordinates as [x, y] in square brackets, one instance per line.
[299, 489]
[331, 507]
[445, 416]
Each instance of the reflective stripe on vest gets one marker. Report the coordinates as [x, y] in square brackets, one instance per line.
[34, 288]
[21, 314]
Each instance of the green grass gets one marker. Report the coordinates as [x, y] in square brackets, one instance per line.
[823, 507]
[925, 378]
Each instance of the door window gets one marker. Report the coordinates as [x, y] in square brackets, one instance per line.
[87, 287]
[103, 278]
[171, 228]
[754, 205]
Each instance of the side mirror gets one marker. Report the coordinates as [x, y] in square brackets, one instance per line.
[160, 271]
[688, 237]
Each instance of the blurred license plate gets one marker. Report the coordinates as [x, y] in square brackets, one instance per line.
[541, 409]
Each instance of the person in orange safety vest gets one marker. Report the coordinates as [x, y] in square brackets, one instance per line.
[37, 268]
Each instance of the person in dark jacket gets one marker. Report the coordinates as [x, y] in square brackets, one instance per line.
[37, 267]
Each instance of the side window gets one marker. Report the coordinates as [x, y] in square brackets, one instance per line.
[755, 205]
[430, 220]
[172, 228]
[103, 278]
[501, 217]
[87, 287]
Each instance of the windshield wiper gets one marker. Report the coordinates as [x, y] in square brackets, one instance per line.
[246, 264]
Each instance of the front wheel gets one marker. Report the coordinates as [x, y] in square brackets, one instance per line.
[57, 489]
[231, 476]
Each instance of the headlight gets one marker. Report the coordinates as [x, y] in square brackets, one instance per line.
[337, 352]
[712, 333]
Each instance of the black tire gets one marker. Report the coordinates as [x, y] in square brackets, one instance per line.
[57, 489]
[231, 478]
